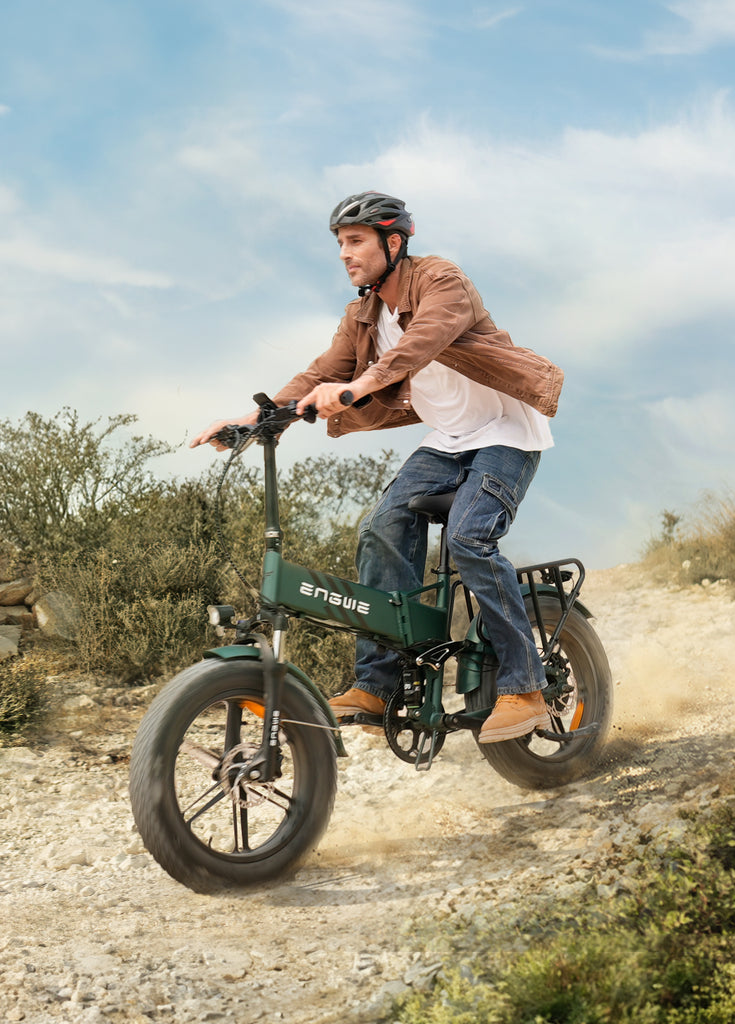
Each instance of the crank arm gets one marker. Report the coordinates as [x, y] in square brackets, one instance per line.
[568, 737]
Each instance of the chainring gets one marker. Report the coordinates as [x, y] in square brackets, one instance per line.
[409, 740]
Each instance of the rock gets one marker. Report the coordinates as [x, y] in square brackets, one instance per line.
[9, 639]
[15, 592]
[57, 615]
[79, 702]
[16, 615]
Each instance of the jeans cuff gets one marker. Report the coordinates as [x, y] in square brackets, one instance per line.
[375, 691]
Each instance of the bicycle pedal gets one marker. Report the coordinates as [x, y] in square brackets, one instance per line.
[365, 718]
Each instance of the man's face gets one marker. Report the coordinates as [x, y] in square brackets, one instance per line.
[361, 250]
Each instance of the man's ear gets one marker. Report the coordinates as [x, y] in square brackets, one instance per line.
[395, 241]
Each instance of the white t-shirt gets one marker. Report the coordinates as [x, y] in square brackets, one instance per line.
[464, 414]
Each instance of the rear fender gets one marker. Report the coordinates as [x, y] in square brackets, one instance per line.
[249, 652]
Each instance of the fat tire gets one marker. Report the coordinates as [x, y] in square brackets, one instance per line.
[161, 821]
[516, 760]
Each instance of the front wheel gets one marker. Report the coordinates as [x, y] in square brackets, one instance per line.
[204, 825]
[533, 762]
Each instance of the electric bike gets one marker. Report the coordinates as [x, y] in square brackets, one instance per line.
[234, 767]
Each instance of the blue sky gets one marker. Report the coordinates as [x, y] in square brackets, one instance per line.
[167, 168]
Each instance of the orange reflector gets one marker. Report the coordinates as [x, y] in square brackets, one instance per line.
[255, 706]
[577, 716]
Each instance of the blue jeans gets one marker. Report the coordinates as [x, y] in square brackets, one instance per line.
[391, 555]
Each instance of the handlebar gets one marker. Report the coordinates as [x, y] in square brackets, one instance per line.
[272, 421]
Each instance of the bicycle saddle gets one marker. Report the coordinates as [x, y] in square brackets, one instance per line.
[435, 506]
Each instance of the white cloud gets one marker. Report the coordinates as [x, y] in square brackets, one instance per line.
[487, 20]
[4, 110]
[707, 24]
[387, 26]
[619, 236]
[25, 253]
[696, 429]
[8, 201]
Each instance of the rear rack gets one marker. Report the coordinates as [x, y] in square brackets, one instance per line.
[551, 578]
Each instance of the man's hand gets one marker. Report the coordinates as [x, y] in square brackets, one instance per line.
[326, 397]
[205, 437]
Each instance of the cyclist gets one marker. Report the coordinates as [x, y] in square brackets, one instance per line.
[418, 346]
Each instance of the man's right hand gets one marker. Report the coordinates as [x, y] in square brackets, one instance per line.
[206, 436]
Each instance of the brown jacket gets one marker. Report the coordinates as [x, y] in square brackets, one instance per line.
[443, 318]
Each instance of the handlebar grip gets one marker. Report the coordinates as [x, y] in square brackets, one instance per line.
[347, 398]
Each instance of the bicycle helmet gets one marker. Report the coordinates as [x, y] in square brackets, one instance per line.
[386, 214]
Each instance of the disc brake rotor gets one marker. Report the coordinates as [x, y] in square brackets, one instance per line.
[242, 791]
[565, 699]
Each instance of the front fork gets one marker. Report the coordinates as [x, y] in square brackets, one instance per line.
[264, 766]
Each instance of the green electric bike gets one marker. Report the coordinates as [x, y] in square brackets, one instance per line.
[233, 771]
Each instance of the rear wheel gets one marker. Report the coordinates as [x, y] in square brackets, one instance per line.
[532, 761]
[204, 823]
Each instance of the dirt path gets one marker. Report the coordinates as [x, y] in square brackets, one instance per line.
[93, 931]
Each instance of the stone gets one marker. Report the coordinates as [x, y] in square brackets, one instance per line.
[15, 592]
[57, 615]
[16, 615]
[9, 639]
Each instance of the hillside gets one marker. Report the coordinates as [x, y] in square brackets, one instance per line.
[94, 931]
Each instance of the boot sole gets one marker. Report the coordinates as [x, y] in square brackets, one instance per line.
[513, 732]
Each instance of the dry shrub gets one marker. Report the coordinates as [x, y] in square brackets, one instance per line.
[700, 547]
[142, 609]
[21, 690]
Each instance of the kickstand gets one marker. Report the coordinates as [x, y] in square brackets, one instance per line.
[424, 767]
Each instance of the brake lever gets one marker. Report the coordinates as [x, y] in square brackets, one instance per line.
[233, 435]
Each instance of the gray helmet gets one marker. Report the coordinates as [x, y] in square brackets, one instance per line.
[386, 214]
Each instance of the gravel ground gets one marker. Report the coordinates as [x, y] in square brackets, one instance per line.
[93, 931]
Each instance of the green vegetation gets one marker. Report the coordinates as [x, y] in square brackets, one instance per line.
[21, 691]
[140, 558]
[700, 547]
[62, 482]
[663, 953]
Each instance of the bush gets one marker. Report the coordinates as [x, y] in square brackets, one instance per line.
[62, 482]
[662, 956]
[141, 558]
[142, 606]
[21, 690]
[704, 548]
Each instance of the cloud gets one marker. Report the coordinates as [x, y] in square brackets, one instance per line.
[707, 25]
[695, 430]
[4, 110]
[486, 20]
[619, 236]
[26, 253]
[388, 26]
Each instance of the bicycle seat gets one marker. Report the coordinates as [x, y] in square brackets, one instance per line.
[435, 506]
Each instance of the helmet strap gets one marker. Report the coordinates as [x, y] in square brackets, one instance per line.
[369, 289]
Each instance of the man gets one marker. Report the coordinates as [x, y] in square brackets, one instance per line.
[418, 346]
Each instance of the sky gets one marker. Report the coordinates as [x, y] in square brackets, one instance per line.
[167, 170]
